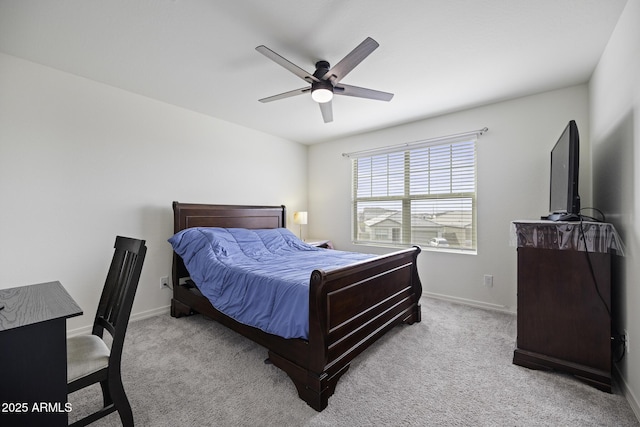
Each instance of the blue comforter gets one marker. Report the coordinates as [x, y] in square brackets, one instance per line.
[258, 277]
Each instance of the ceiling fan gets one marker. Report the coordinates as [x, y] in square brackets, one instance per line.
[325, 81]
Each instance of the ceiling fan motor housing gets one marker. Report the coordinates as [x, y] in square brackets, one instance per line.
[322, 84]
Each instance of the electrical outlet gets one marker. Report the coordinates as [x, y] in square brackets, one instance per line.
[488, 280]
[164, 281]
[626, 341]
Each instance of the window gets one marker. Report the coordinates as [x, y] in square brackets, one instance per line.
[420, 194]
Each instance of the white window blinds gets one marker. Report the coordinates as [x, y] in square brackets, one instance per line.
[417, 194]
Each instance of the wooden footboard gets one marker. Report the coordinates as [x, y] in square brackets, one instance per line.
[349, 307]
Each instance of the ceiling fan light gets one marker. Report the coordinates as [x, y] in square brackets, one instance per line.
[322, 91]
[322, 95]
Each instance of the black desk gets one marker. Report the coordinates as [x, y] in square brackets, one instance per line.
[33, 354]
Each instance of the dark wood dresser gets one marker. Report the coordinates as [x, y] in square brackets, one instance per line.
[564, 297]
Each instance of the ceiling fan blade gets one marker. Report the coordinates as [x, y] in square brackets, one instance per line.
[327, 111]
[286, 94]
[361, 92]
[350, 61]
[286, 64]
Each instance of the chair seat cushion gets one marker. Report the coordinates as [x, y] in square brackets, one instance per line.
[86, 354]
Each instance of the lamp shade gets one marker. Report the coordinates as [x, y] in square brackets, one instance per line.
[300, 218]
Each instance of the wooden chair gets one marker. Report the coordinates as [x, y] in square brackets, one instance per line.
[89, 359]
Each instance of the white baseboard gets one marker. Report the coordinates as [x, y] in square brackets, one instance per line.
[150, 313]
[473, 303]
[134, 318]
[626, 391]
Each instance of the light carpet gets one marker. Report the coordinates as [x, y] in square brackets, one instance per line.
[452, 369]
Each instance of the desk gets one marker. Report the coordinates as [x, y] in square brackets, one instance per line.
[33, 354]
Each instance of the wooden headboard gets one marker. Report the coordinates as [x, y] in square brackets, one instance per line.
[188, 215]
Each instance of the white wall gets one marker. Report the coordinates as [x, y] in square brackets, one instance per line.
[513, 183]
[81, 162]
[615, 128]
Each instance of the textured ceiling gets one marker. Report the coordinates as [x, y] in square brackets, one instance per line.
[436, 56]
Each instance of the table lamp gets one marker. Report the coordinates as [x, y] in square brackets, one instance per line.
[300, 218]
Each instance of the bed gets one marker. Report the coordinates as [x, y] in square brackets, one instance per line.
[349, 307]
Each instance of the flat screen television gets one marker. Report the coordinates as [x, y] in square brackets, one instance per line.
[564, 200]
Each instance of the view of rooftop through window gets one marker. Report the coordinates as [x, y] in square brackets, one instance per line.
[423, 196]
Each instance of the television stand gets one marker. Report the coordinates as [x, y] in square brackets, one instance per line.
[564, 315]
